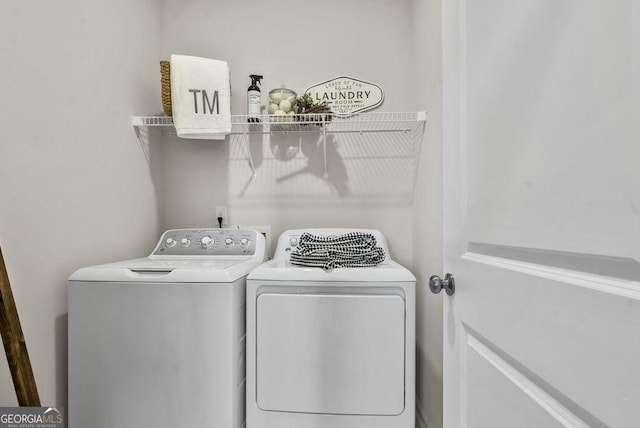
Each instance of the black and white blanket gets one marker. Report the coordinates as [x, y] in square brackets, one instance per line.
[355, 249]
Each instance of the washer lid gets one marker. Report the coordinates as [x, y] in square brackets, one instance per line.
[283, 270]
[149, 264]
[193, 269]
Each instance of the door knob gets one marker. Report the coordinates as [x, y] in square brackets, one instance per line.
[448, 283]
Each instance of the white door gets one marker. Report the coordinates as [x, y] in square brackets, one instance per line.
[542, 203]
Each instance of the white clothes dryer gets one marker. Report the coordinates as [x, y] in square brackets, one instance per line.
[332, 348]
[160, 341]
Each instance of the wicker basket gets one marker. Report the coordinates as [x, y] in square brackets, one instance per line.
[165, 80]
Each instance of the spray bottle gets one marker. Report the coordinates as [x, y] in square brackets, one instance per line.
[254, 99]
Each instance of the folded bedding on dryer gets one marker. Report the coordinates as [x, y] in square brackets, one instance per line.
[355, 249]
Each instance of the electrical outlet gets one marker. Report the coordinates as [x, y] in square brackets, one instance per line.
[221, 212]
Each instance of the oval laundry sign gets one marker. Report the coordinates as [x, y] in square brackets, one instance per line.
[346, 95]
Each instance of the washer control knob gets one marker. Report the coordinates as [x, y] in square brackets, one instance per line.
[207, 242]
[228, 242]
[293, 241]
[244, 242]
[185, 242]
[170, 242]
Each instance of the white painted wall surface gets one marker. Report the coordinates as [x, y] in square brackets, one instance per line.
[75, 186]
[394, 44]
[296, 44]
[77, 189]
[427, 213]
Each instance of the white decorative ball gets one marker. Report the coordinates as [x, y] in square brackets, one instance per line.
[285, 106]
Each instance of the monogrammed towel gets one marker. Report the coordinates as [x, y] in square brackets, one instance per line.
[200, 97]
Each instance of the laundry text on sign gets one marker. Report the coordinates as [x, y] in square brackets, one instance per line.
[346, 96]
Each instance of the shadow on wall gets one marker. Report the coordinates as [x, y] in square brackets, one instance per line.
[153, 156]
[61, 355]
[297, 167]
[314, 153]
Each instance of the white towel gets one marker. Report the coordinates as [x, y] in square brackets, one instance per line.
[200, 97]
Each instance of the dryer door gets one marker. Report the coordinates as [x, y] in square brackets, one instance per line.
[331, 353]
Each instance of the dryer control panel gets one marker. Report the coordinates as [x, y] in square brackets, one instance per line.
[207, 242]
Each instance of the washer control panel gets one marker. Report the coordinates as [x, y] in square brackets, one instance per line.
[207, 242]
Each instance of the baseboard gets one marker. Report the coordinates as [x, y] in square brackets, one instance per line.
[422, 420]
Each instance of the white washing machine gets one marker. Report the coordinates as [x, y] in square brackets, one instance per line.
[330, 349]
[160, 341]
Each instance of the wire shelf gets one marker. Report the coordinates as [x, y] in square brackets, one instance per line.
[404, 128]
[365, 122]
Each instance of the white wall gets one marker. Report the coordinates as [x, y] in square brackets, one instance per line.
[297, 44]
[394, 44]
[75, 187]
[427, 213]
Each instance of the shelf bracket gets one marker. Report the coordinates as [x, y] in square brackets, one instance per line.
[245, 138]
[325, 174]
[137, 124]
